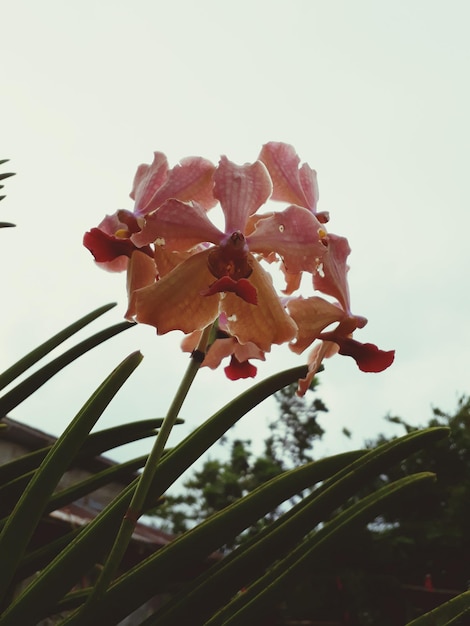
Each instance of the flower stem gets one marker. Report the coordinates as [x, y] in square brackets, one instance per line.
[137, 504]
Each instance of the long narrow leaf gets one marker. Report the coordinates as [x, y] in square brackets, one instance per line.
[117, 472]
[37, 559]
[94, 540]
[95, 445]
[22, 522]
[215, 587]
[137, 586]
[195, 545]
[249, 607]
[457, 608]
[38, 353]
[24, 389]
[60, 499]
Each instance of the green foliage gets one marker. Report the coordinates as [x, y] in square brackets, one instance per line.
[220, 482]
[303, 509]
[2, 177]
[432, 538]
[383, 570]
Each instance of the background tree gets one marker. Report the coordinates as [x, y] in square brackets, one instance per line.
[370, 580]
[413, 557]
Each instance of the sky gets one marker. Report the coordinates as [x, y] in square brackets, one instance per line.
[373, 94]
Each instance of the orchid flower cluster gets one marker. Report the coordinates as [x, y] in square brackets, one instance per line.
[184, 273]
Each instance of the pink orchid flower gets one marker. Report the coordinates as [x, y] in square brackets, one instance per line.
[293, 183]
[184, 273]
[314, 315]
[191, 179]
[226, 277]
[225, 346]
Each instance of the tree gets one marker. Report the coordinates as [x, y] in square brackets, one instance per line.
[433, 538]
[420, 543]
[370, 580]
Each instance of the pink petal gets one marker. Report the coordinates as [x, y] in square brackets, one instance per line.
[112, 253]
[368, 356]
[311, 315]
[237, 370]
[219, 350]
[141, 272]
[120, 222]
[189, 181]
[241, 287]
[178, 226]
[292, 280]
[263, 324]
[222, 348]
[322, 350]
[245, 351]
[167, 260]
[190, 342]
[241, 190]
[147, 180]
[295, 234]
[174, 302]
[291, 183]
[332, 278]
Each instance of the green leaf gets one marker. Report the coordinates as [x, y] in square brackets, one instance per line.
[29, 509]
[455, 612]
[250, 606]
[93, 541]
[96, 443]
[138, 585]
[216, 586]
[38, 353]
[27, 387]
[81, 488]
[188, 451]
[35, 560]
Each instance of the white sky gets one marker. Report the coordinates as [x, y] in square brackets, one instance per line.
[373, 94]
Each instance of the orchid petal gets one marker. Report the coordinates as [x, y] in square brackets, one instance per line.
[112, 253]
[147, 180]
[178, 226]
[222, 348]
[295, 234]
[191, 341]
[332, 279]
[323, 349]
[290, 184]
[368, 356]
[263, 324]
[311, 315]
[242, 288]
[237, 369]
[109, 243]
[245, 351]
[166, 260]
[219, 350]
[120, 221]
[189, 180]
[174, 302]
[292, 280]
[141, 272]
[241, 190]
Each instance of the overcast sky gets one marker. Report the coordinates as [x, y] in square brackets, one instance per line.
[373, 94]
